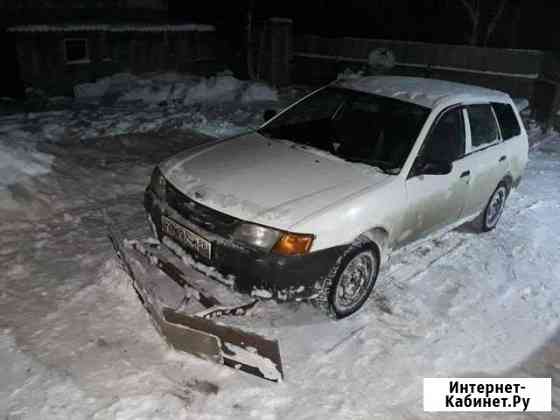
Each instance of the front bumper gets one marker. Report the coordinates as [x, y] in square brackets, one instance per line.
[254, 272]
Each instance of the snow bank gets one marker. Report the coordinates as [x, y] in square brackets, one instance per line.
[350, 74]
[117, 83]
[215, 89]
[259, 92]
[177, 88]
[521, 103]
[381, 59]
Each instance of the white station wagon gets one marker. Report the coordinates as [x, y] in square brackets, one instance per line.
[311, 204]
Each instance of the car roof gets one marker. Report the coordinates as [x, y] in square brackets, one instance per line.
[425, 92]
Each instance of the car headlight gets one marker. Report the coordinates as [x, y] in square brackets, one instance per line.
[157, 183]
[267, 239]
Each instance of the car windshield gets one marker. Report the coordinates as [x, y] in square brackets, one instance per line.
[355, 126]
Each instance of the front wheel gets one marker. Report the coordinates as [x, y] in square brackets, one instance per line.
[351, 281]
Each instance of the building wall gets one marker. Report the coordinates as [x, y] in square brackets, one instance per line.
[43, 63]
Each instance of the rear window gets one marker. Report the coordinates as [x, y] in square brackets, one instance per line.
[483, 125]
[507, 120]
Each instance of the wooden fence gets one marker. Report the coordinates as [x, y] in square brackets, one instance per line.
[530, 74]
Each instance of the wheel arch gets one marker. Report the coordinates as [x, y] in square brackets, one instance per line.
[508, 180]
[379, 236]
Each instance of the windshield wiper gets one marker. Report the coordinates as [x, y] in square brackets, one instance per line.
[379, 164]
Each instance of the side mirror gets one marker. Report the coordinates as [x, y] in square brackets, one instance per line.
[268, 114]
[435, 167]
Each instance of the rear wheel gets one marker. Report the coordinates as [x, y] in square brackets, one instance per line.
[350, 281]
[494, 209]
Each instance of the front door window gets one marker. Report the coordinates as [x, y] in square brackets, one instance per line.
[437, 200]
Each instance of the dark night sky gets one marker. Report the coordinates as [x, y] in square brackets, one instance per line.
[443, 21]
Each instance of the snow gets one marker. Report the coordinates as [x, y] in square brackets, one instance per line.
[259, 92]
[117, 83]
[265, 294]
[251, 357]
[16, 162]
[521, 103]
[176, 88]
[75, 342]
[156, 407]
[100, 27]
[111, 107]
[351, 74]
[381, 58]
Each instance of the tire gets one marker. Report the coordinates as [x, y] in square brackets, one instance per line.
[490, 217]
[350, 281]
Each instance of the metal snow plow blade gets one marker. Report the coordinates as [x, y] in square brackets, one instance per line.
[180, 310]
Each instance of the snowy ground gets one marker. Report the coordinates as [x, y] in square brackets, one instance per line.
[76, 343]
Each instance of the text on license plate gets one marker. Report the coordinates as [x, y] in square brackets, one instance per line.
[186, 237]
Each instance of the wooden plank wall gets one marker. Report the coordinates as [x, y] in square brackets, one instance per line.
[42, 60]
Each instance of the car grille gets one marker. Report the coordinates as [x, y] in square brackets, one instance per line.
[208, 219]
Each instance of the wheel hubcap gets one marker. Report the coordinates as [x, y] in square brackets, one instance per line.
[496, 207]
[355, 281]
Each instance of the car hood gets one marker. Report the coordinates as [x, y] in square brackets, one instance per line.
[271, 182]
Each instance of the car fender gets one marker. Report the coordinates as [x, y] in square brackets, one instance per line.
[377, 213]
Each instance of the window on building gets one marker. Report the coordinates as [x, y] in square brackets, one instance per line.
[507, 119]
[484, 130]
[76, 51]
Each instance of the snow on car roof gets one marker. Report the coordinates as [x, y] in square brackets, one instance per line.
[424, 92]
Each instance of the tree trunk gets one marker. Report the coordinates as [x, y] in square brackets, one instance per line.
[492, 25]
[474, 32]
[250, 50]
[473, 10]
[515, 26]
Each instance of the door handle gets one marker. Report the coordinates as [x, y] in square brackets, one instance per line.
[503, 158]
[465, 173]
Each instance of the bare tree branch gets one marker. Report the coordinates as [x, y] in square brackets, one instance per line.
[494, 22]
[472, 13]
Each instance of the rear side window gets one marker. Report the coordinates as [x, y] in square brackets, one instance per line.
[507, 120]
[483, 125]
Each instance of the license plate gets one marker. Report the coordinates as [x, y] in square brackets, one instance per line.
[186, 237]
